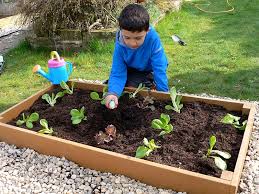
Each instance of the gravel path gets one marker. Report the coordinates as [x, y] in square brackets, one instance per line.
[26, 171]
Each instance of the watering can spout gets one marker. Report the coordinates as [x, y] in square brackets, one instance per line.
[37, 69]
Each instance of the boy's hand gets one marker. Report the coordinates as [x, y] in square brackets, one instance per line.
[110, 98]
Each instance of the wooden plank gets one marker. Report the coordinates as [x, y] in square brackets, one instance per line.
[148, 172]
[244, 147]
[232, 105]
[227, 175]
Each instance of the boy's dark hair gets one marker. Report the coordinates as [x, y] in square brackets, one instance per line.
[134, 18]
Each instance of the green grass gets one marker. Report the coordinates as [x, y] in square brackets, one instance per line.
[221, 58]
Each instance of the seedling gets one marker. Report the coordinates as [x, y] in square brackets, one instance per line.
[95, 95]
[234, 120]
[28, 120]
[216, 154]
[163, 123]
[78, 115]
[146, 149]
[53, 99]
[147, 103]
[109, 135]
[45, 129]
[66, 87]
[176, 101]
[140, 88]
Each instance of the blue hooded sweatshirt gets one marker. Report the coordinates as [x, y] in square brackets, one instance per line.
[150, 56]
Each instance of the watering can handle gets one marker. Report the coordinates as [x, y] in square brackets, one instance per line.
[70, 67]
[55, 53]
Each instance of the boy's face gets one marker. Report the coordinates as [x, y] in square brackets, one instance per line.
[133, 39]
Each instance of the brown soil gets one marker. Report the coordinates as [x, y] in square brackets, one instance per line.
[184, 148]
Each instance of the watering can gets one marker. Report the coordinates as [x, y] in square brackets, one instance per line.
[59, 69]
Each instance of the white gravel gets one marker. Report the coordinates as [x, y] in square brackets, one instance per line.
[26, 171]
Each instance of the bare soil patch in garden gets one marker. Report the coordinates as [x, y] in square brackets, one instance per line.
[184, 148]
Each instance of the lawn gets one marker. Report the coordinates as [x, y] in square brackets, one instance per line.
[221, 56]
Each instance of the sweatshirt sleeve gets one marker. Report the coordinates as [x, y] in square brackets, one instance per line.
[118, 75]
[159, 65]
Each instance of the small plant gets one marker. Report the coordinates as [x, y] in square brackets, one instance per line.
[109, 135]
[53, 99]
[140, 88]
[147, 103]
[45, 129]
[66, 87]
[216, 154]
[146, 149]
[234, 120]
[163, 123]
[95, 95]
[176, 101]
[28, 120]
[78, 115]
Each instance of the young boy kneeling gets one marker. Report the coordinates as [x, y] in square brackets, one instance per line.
[138, 56]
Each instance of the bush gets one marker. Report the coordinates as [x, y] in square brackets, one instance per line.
[51, 16]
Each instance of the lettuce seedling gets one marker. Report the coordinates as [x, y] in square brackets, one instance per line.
[163, 123]
[176, 101]
[140, 88]
[216, 154]
[145, 150]
[53, 99]
[28, 120]
[45, 129]
[234, 120]
[78, 115]
[109, 135]
[66, 87]
[95, 95]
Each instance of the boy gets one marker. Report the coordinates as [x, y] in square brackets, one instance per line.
[138, 56]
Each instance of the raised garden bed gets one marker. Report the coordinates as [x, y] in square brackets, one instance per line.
[179, 164]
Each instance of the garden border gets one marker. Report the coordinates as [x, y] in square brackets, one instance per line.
[148, 172]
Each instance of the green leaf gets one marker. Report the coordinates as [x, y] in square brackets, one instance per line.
[82, 110]
[59, 95]
[20, 122]
[152, 144]
[225, 155]
[95, 96]
[45, 96]
[74, 112]
[46, 131]
[212, 141]
[141, 152]
[221, 164]
[146, 142]
[33, 117]
[168, 107]
[243, 127]
[29, 124]
[230, 119]
[156, 124]
[64, 85]
[165, 118]
[169, 128]
[162, 133]
[76, 121]
[44, 123]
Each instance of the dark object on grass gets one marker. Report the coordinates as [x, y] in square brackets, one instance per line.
[178, 40]
[1, 64]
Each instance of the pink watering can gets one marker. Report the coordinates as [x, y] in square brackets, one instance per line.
[59, 69]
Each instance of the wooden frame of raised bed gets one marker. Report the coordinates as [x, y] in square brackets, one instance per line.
[148, 172]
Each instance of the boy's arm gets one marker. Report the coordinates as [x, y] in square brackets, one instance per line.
[118, 75]
[159, 66]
